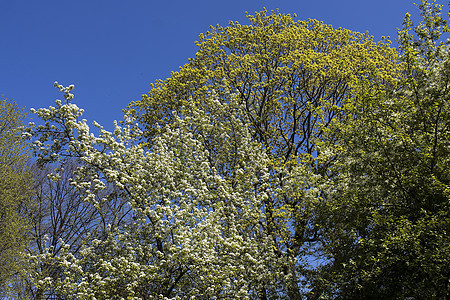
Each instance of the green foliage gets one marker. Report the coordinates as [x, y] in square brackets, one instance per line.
[388, 220]
[289, 74]
[15, 183]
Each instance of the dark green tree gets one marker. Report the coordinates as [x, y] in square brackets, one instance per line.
[388, 222]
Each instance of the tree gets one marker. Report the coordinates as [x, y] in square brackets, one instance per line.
[291, 77]
[187, 236]
[15, 185]
[60, 214]
[388, 218]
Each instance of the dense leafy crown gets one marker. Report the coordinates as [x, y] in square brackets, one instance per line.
[289, 74]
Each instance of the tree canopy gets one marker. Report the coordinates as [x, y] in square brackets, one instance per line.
[289, 74]
[287, 160]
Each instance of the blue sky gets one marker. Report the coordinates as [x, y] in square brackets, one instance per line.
[112, 50]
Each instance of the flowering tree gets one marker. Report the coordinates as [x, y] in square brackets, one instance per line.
[199, 225]
[59, 215]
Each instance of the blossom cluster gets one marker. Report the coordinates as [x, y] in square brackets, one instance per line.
[198, 225]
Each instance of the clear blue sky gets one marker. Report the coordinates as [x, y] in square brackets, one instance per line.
[112, 50]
